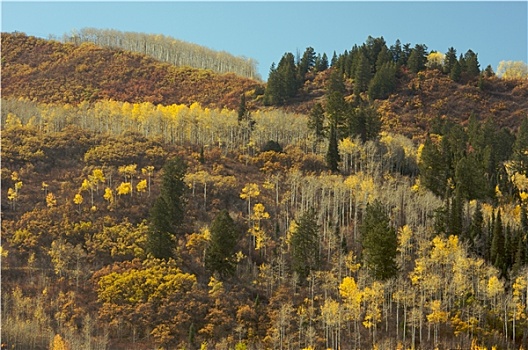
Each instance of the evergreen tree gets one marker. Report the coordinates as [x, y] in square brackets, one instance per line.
[470, 178]
[220, 252]
[316, 122]
[307, 62]
[336, 106]
[433, 169]
[384, 82]
[417, 59]
[321, 63]
[498, 250]
[520, 148]
[384, 57]
[455, 218]
[477, 239]
[304, 244]
[450, 60]
[396, 52]
[364, 121]
[167, 213]
[379, 242]
[242, 109]
[456, 72]
[362, 75]
[472, 66]
[332, 156]
[333, 62]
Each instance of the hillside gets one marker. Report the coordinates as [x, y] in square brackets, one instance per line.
[167, 49]
[419, 99]
[52, 72]
[139, 213]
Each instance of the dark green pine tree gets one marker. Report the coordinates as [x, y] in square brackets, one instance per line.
[433, 168]
[520, 148]
[450, 60]
[167, 213]
[477, 240]
[417, 59]
[242, 109]
[220, 253]
[362, 74]
[498, 251]
[332, 156]
[456, 72]
[304, 244]
[456, 215]
[384, 82]
[472, 64]
[316, 122]
[379, 242]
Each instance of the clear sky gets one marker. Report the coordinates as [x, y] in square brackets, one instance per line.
[266, 30]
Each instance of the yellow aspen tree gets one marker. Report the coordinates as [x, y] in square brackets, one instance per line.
[374, 298]
[435, 60]
[331, 315]
[148, 171]
[436, 317]
[109, 196]
[512, 70]
[142, 186]
[405, 236]
[124, 188]
[261, 238]
[520, 303]
[128, 172]
[251, 190]
[78, 199]
[58, 343]
[44, 188]
[51, 201]
[352, 297]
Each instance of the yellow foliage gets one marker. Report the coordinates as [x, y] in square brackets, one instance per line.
[251, 190]
[512, 70]
[141, 186]
[495, 286]
[109, 195]
[78, 199]
[51, 201]
[217, 287]
[59, 343]
[124, 188]
[437, 315]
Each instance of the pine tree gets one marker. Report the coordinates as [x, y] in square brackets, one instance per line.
[220, 253]
[362, 75]
[379, 242]
[332, 156]
[316, 122]
[450, 60]
[456, 72]
[242, 109]
[472, 67]
[477, 240]
[383, 83]
[305, 245]
[520, 148]
[167, 213]
[498, 242]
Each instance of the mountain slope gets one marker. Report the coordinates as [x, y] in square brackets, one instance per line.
[51, 72]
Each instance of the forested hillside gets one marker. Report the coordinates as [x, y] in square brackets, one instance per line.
[52, 72]
[326, 209]
[167, 49]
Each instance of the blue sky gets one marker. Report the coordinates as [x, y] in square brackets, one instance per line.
[264, 30]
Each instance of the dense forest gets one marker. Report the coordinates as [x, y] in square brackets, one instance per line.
[374, 199]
